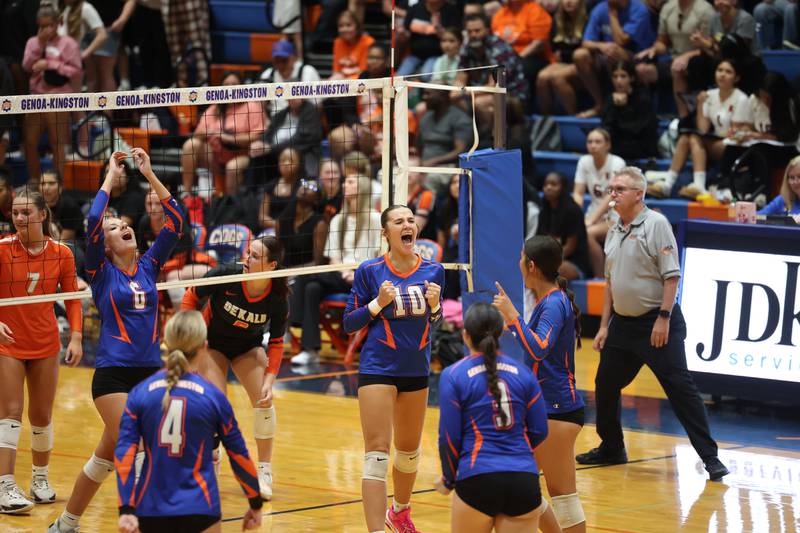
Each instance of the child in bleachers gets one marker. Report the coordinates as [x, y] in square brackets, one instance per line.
[425, 22]
[445, 65]
[629, 115]
[558, 79]
[714, 117]
[593, 175]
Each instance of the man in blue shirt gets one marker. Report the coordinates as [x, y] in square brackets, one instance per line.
[616, 30]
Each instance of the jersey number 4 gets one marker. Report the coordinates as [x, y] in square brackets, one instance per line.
[171, 434]
[503, 406]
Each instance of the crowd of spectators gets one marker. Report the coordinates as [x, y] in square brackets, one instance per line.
[269, 172]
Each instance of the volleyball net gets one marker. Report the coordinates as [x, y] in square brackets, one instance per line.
[310, 162]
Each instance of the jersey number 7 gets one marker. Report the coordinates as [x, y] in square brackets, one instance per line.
[171, 434]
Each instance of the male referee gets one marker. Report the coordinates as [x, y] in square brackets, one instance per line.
[641, 324]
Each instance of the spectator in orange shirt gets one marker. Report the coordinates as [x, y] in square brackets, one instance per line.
[350, 48]
[525, 25]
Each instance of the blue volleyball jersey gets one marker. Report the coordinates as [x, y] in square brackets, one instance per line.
[128, 301]
[398, 339]
[473, 439]
[177, 476]
[548, 342]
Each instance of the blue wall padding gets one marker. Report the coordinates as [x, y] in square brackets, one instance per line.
[496, 218]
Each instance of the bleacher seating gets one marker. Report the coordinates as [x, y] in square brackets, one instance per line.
[241, 16]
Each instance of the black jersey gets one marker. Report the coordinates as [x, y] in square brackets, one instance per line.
[237, 316]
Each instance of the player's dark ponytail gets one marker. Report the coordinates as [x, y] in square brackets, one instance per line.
[274, 247]
[184, 335]
[547, 254]
[484, 325]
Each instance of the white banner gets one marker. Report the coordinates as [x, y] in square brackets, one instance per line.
[742, 313]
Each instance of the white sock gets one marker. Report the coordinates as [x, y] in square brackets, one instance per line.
[699, 179]
[378, 531]
[39, 471]
[265, 466]
[7, 480]
[68, 521]
[399, 506]
[672, 176]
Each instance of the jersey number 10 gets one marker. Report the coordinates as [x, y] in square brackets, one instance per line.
[412, 304]
[171, 434]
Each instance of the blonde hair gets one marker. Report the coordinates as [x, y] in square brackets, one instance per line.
[569, 29]
[356, 162]
[363, 210]
[788, 195]
[184, 335]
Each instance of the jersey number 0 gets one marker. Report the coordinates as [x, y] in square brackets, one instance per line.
[171, 434]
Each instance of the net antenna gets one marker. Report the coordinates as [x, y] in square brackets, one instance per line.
[400, 178]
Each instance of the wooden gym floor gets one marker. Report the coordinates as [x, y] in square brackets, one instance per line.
[318, 460]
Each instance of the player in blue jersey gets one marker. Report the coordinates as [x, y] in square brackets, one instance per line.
[548, 342]
[176, 413]
[398, 298]
[486, 441]
[238, 315]
[124, 290]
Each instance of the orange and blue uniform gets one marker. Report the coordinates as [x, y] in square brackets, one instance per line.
[177, 476]
[473, 439]
[548, 342]
[22, 273]
[128, 301]
[399, 339]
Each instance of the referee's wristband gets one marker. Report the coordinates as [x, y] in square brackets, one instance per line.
[374, 308]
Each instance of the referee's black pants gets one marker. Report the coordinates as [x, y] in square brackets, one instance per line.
[627, 348]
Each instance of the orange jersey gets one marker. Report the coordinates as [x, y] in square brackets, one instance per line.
[350, 60]
[22, 273]
[531, 23]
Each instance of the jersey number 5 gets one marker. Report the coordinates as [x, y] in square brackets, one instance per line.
[504, 406]
[171, 434]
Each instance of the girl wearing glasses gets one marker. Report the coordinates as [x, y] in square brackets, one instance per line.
[238, 314]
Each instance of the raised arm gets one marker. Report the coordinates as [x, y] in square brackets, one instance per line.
[95, 240]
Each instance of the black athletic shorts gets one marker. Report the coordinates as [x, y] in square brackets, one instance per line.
[193, 523]
[576, 417]
[233, 348]
[403, 384]
[111, 379]
[506, 493]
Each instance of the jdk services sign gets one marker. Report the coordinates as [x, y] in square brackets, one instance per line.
[742, 313]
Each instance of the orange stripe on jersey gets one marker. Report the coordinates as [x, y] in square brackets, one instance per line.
[389, 336]
[570, 377]
[190, 300]
[543, 343]
[450, 444]
[155, 326]
[226, 428]
[125, 465]
[130, 414]
[170, 224]
[146, 479]
[399, 274]
[516, 325]
[247, 465]
[424, 342]
[534, 399]
[199, 477]
[525, 433]
[123, 333]
[478, 441]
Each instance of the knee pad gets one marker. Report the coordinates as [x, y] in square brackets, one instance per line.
[568, 510]
[264, 422]
[9, 433]
[98, 469]
[376, 465]
[42, 438]
[407, 462]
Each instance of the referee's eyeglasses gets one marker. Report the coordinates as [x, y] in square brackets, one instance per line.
[621, 189]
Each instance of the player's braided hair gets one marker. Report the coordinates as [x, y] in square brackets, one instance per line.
[484, 325]
[546, 253]
[184, 334]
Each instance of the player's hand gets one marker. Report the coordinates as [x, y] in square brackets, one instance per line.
[252, 519]
[438, 485]
[432, 294]
[600, 338]
[504, 304]
[6, 335]
[266, 391]
[348, 276]
[660, 333]
[115, 167]
[387, 293]
[701, 98]
[74, 352]
[128, 523]
[39, 66]
[142, 161]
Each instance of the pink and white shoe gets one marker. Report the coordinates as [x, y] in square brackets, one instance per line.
[400, 522]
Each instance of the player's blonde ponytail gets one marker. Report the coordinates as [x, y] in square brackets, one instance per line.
[184, 335]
